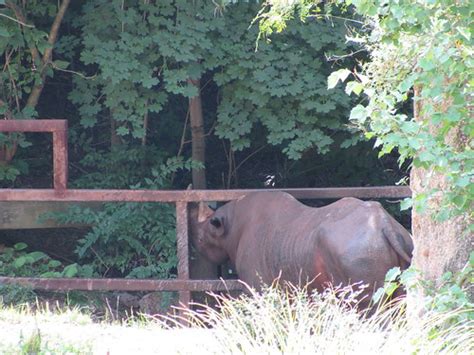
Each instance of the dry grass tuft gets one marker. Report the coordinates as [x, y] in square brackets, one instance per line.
[272, 322]
[280, 322]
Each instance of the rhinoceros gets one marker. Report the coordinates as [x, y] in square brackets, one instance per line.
[271, 235]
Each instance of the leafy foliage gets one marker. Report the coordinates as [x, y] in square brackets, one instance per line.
[129, 239]
[24, 44]
[132, 88]
[124, 65]
[16, 261]
[441, 75]
[17, 43]
[16, 294]
[421, 47]
[453, 294]
[281, 86]
[136, 240]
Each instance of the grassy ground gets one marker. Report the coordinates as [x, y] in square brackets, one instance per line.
[25, 331]
[272, 323]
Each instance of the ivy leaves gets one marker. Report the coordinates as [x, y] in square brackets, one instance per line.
[424, 48]
[421, 50]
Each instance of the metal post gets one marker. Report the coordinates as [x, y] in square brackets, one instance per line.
[183, 249]
[60, 158]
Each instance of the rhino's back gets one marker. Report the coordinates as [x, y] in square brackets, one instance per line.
[340, 243]
[277, 239]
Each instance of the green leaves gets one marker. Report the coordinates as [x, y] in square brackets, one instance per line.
[354, 87]
[359, 113]
[17, 261]
[282, 85]
[22, 67]
[465, 32]
[71, 270]
[427, 62]
[126, 239]
[20, 246]
[366, 7]
[339, 75]
[122, 131]
[391, 284]
[406, 204]
[61, 64]
[143, 235]
[4, 32]
[422, 46]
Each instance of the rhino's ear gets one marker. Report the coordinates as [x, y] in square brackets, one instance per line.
[204, 212]
[216, 222]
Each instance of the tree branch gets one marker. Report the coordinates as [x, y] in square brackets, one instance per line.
[73, 72]
[52, 37]
[17, 21]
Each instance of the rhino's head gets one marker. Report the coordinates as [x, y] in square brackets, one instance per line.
[208, 232]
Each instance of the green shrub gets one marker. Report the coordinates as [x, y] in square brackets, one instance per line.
[454, 294]
[16, 261]
[135, 240]
[16, 294]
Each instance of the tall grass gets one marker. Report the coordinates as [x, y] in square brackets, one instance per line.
[271, 322]
[281, 322]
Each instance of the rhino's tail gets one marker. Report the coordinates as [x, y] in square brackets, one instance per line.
[403, 246]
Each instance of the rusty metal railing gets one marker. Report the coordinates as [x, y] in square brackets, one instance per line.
[182, 284]
[59, 130]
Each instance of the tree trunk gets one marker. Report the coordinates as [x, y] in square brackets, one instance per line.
[200, 267]
[198, 137]
[439, 246]
[115, 139]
